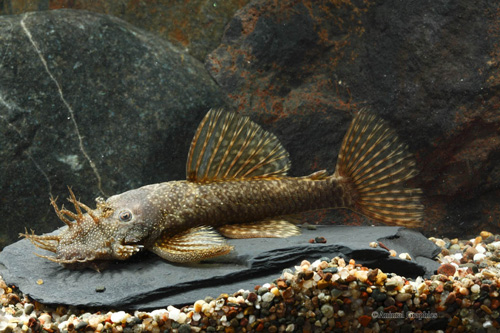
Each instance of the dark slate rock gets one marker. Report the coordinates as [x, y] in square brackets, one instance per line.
[89, 101]
[195, 25]
[147, 282]
[429, 68]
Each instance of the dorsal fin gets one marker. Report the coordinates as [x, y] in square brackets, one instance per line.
[227, 146]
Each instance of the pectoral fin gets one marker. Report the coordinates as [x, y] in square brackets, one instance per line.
[272, 228]
[192, 245]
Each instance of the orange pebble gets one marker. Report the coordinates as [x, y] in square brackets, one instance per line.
[364, 320]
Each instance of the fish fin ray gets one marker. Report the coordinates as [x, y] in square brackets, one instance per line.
[191, 245]
[269, 228]
[318, 175]
[378, 165]
[227, 146]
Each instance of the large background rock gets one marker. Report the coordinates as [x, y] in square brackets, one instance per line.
[89, 101]
[429, 67]
[194, 26]
[300, 67]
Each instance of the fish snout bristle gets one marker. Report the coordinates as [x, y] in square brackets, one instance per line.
[66, 261]
[64, 214]
[47, 242]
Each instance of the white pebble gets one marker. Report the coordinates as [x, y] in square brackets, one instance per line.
[219, 304]
[61, 326]
[479, 256]
[475, 288]
[267, 297]
[206, 307]
[344, 274]
[405, 256]
[157, 314]
[362, 275]
[316, 264]
[94, 320]
[440, 242]
[173, 313]
[496, 244]
[480, 248]
[308, 284]
[196, 316]
[327, 310]
[182, 318]
[45, 318]
[403, 297]
[232, 299]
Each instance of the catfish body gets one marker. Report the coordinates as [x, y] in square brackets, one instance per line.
[237, 187]
[181, 205]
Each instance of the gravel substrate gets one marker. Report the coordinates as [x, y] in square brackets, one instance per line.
[329, 294]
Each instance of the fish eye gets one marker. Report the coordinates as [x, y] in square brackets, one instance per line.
[125, 216]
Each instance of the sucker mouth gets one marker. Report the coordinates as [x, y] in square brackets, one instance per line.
[128, 250]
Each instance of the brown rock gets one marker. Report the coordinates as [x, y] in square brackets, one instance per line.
[451, 298]
[302, 67]
[446, 269]
[322, 284]
[454, 322]
[281, 284]
[485, 308]
[252, 297]
[372, 274]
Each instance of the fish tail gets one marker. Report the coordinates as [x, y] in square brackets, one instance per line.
[377, 166]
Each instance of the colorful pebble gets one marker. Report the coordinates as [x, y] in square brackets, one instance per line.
[325, 295]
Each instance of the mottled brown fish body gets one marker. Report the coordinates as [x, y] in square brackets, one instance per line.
[185, 205]
[237, 186]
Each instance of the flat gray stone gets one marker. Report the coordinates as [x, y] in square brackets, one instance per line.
[148, 282]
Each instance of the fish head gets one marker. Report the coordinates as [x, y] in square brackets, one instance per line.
[115, 230]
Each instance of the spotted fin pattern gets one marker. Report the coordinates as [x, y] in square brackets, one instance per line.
[270, 228]
[192, 245]
[379, 166]
[227, 146]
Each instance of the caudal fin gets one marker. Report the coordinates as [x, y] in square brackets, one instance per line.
[379, 165]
